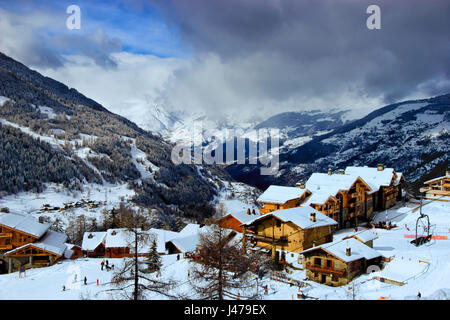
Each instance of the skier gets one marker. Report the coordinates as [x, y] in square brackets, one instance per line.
[266, 289]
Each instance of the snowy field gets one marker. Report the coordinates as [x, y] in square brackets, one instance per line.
[425, 269]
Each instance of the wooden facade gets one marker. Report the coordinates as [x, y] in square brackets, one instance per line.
[98, 252]
[438, 187]
[326, 268]
[11, 238]
[278, 204]
[272, 232]
[230, 222]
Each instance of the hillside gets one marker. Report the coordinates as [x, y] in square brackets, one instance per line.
[51, 135]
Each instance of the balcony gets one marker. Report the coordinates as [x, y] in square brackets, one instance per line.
[317, 268]
[6, 235]
[6, 247]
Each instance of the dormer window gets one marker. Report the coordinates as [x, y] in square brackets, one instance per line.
[113, 233]
[90, 236]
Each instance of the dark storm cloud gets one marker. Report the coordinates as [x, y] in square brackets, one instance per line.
[296, 48]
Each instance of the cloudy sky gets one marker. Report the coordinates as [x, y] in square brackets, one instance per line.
[248, 59]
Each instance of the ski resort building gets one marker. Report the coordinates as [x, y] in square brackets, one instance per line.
[93, 245]
[349, 190]
[235, 221]
[293, 230]
[280, 197]
[337, 263]
[24, 242]
[386, 185]
[437, 187]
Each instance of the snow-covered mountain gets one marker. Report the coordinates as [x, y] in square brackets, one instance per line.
[412, 136]
[55, 140]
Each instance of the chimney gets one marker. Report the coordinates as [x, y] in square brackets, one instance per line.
[348, 251]
[312, 216]
[330, 172]
[380, 167]
[301, 184]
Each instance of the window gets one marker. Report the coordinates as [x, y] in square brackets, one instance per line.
[329, 263]
[278, 224]
[334, 278]
[317, 261]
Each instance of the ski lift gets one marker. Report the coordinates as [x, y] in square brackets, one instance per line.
[425, 224]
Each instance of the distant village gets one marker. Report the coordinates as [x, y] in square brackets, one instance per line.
[295, 225]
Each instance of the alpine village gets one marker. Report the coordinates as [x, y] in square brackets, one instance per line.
[295, 227]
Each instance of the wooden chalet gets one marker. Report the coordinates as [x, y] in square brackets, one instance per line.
[337, 263]
[292, 230]
[438, 187]
[349, 190]
[93, 245]
[235, 221]
[73, 251]
[386, 185]
[280, 197]
[26, 242]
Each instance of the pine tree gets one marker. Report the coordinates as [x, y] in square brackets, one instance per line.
[153, 259]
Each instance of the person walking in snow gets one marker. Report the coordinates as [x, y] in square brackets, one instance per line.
[419, 295]
[106, 262]
[64, 288]
[85, 280]
[102, 264]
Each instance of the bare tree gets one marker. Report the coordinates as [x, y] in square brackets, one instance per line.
[223, 266]
[134, 273]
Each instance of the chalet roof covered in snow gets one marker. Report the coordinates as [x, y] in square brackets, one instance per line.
[437, 179]
[190, 229]
[280, 194]
[321, 195]
[52, 241]
[363, 235]
[24, 223]
[242, 217]
[162, 236]
[338, 249]
[332, 182]
[186, 244]
[373, 177]
[300, 216]
[92, 240]
[119, 238]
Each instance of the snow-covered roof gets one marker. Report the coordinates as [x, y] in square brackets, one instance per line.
[338, 249]
[92, 240]
[372, 176]
[52, 241]
[399, 178]
[437, 179]
[363, 235]
[118, 238]
[162, 236]
[188, 243]
[321, 195]
[332, 182]
[281, 194]
[189, 229]
[300, 216]
[242, 217]
[23, 223]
